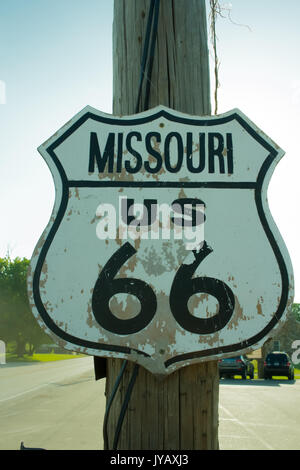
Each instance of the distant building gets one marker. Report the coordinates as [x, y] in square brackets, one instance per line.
[285, 338]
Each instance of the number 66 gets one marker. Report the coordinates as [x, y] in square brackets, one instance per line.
[183, 287]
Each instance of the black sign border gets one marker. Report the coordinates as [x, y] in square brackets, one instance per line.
[257, 186]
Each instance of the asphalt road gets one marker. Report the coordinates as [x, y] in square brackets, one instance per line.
[59, 405]
[55, 405]
[259, 415]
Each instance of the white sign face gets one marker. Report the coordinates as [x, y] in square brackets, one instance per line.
[161, 248]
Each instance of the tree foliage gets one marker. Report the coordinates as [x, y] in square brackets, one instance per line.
[17, 323]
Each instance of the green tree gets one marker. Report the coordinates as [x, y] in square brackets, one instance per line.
[17, 323]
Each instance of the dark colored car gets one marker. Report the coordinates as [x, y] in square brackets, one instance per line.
[238, 365]
[278, 363]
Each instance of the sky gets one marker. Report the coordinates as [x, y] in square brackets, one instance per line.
[56, 58]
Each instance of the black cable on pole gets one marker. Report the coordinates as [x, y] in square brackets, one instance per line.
[106, 416]
[145, 52]
[152, 51]
[125, 404]
[152, 26]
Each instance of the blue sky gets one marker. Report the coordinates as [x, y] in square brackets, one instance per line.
[56, 57]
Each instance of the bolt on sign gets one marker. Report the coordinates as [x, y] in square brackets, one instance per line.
[161, 248]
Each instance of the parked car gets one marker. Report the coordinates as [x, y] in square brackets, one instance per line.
[238, 365]
[278, 363]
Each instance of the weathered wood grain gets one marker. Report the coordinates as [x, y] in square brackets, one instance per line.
[180, 412]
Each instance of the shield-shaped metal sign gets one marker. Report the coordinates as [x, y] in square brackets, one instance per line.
[161, 248]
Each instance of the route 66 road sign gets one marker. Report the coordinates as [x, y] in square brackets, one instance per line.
[161, 247]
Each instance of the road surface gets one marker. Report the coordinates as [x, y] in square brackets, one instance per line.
[259, 415]
[54, 405]
[59, 405]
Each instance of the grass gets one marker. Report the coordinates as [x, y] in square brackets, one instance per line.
[42, 357]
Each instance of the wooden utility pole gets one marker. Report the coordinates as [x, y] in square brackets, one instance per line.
[180, 412]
